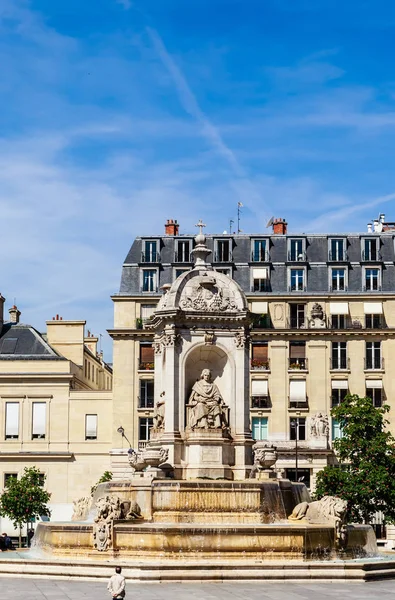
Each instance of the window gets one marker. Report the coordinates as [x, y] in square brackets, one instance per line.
[297, 428]
[303, 476]
[338, 280]
[147, 357]
[260, 277]
[149, 280]
[11, 420]
[8, 477]
[297, 392]
[93, 373]
[90, 427]
[374, 318]
[370, 249]
[259, 393]
[297, 355]
[372, 280]
[85, 368]
[337, 249]
[374, 390]
[338, 394]
[146, 312]
[223, 253]
[150, 254]
[373, 321]
[178, 272]
[260, 250]
[297, 280]
[337, 430]
[296, 250]
[146, 399]
[39, 420]
[259, 356]
[183, 252]
[339, 321]
[339, 355]
[297, 316]
[373, 355]
[259, 428]
[145, 424]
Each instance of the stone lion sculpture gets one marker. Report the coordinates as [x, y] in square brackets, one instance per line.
[330, 510]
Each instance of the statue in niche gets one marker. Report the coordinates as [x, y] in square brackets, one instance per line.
[319, 425]
[207, 406]
[159, 412]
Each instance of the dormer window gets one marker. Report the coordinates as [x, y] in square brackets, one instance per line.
[260, 250]
[150, 252]
[337, 249]
[296, 250]
[223, 251]
[370, 249]
[183, 251]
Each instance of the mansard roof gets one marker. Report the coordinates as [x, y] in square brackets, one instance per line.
[19, 341]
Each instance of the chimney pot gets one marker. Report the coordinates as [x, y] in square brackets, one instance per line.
[14, 314]
[279, 226]
[171, 227]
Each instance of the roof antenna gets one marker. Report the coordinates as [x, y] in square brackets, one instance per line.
[239, 206]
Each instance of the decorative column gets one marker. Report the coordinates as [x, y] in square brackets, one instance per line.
[241, 433]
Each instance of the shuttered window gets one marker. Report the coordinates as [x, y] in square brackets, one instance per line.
[146, 356]
[297, 350]
[90, 427]
[39, 420]
[11, 420]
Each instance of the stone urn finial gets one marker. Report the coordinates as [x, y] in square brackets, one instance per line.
[265, 456]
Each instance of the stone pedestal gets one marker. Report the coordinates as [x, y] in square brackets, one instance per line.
[208, 454]
[120, 467]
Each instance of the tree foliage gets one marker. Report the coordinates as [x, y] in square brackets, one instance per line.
[25, 498]
[107, 476]
[365, 475]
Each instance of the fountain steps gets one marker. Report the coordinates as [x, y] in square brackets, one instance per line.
[196, 571]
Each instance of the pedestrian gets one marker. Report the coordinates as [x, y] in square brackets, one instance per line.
[30, 535]
[116, 585]
[7, 541]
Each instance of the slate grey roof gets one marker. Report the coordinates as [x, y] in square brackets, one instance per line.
[19, 341]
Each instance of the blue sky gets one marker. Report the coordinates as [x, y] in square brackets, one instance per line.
[116, 115]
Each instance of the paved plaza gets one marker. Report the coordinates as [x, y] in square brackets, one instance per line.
[43, 589]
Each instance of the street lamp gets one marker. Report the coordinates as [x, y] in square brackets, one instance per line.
[295, 427]
[122, 432]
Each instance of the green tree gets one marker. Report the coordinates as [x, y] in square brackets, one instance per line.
[107, 476]
[25, 498]
[365, 475]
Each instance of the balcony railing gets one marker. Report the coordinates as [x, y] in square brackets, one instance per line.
[375, 322]
[145, 402]
[295, 404]
[260, 402]
[297, 323]
[149, 288]
[142, 444]
[296, 288]
[297, 364]
[372, 288]
[146, 365]
[258, 364]
[223, 257]
[344, 323]
[261, 285]
[339, 363]
[150, 257]
[371, 256]
[297, 256]
[182, 257]
[338, 288]
[340, 256]
[374, 364]
[262, 256]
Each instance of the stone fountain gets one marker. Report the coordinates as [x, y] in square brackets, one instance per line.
[202, 495]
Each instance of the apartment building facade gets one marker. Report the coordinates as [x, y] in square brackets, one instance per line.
[56, 407]
[322, 325]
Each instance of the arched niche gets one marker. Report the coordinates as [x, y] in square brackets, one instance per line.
[213, 358]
